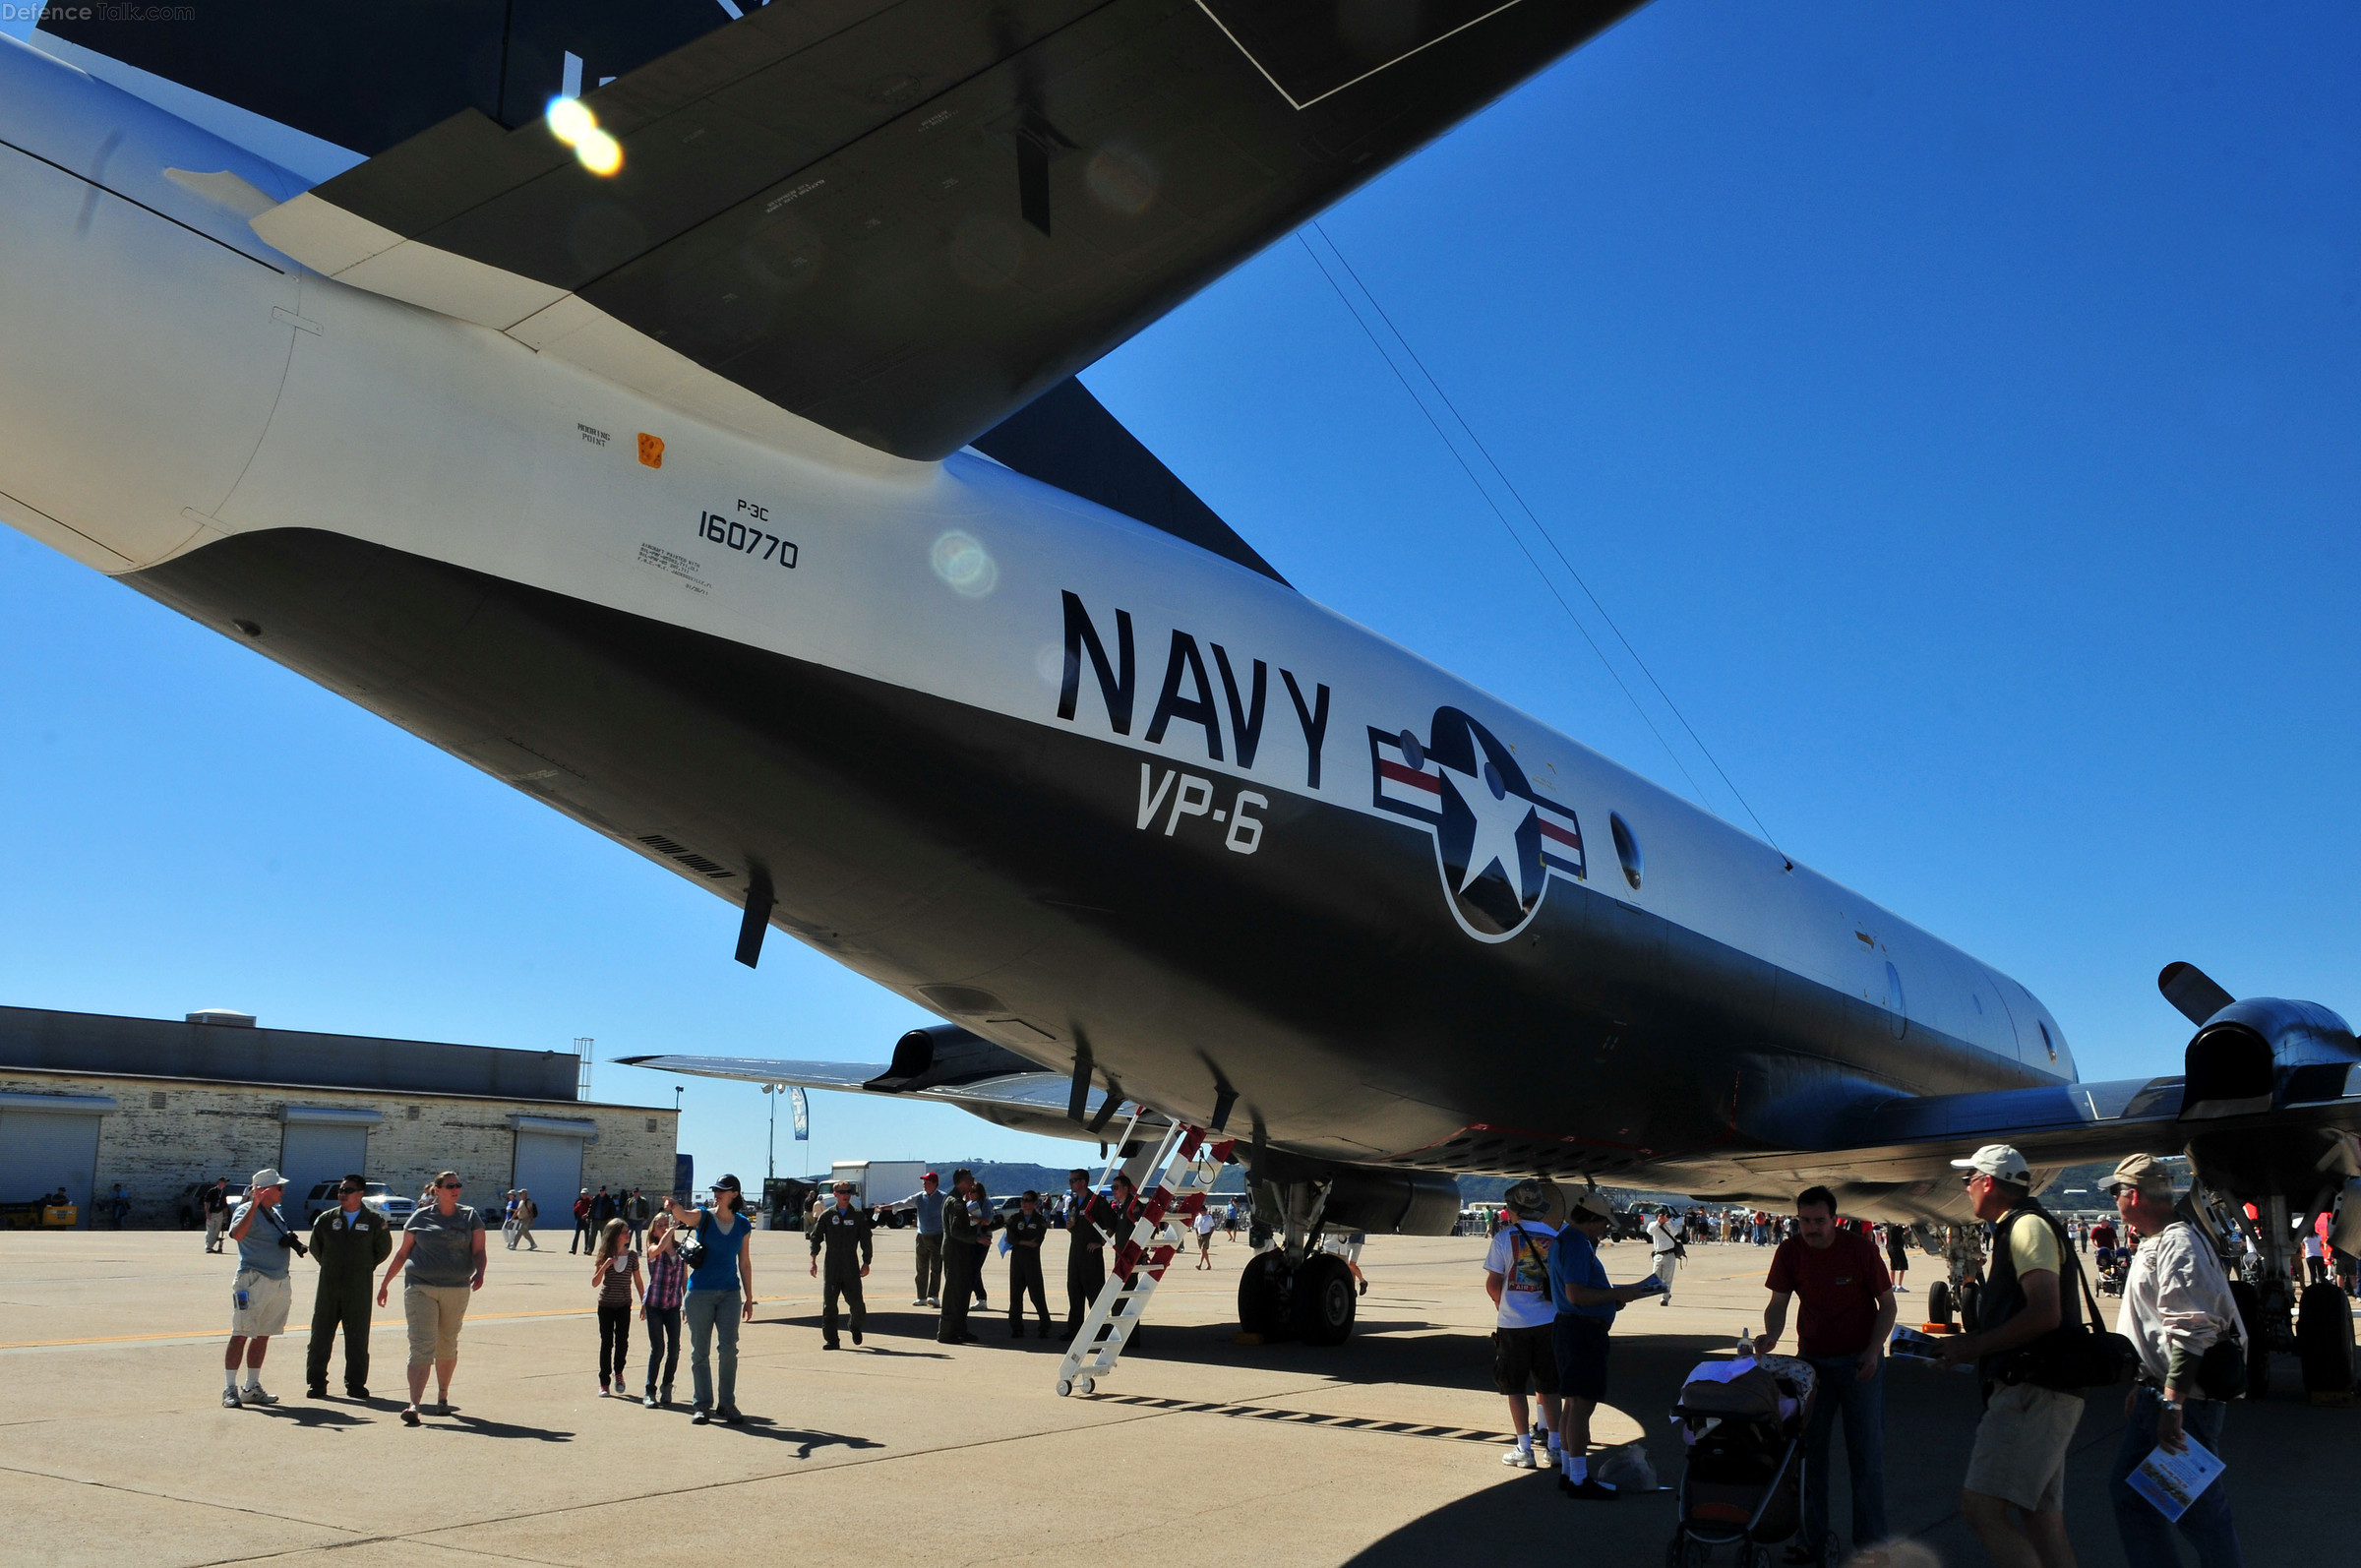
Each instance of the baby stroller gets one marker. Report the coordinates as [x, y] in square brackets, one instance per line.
[1742, 1488]
[2114, 1265]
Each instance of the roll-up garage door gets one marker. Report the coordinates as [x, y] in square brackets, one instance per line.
[320, 1146]
[549, 1166]
[47, 1142]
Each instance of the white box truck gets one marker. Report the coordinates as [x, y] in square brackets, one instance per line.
[882, 1186]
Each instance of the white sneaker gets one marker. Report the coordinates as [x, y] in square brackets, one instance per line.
[252, 1394]
[1518, 1459]
[230, 1399]
[918, 1300]
[1543, 1458]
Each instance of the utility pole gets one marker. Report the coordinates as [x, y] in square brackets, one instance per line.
[770, 1164]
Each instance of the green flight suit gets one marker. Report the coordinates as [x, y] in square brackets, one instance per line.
[349, 1250]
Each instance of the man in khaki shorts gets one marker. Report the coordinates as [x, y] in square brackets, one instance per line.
[2015, 1495]
[448, 1238]
[260, 1292]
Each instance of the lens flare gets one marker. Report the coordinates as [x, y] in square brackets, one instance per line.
[598, 151]
[570, 121]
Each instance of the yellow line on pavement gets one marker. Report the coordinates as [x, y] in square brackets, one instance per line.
[383, 1325]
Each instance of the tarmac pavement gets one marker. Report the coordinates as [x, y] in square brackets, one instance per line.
[1383, 1452]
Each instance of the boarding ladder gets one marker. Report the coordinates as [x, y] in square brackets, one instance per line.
[1188, 1161]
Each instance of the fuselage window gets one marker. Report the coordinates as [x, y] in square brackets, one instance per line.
[1893, 1002]
[1627, 849]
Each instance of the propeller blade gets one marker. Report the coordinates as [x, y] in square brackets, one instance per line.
[2191, 991]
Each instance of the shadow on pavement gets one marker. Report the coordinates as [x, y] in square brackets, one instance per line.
[808, 1441]
[480, 1427]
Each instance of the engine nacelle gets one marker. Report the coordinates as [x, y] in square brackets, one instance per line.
[2265, 1054]
[1393, 1202]
[945, 1055]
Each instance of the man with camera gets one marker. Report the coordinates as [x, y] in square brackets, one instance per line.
[2015, 1495]
[2180, 1316]
[260, 1292]
[348, 1243]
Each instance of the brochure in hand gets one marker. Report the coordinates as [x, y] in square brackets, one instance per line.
[1910, 1345]
[2172, 1482]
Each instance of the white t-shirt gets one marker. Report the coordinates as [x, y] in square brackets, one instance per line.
[1205, 1222]
[1520, 1255]
[1661, 1235]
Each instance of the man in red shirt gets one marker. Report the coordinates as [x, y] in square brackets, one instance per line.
[1847, 1313]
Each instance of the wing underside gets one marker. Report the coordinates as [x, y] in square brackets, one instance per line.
[900, 219]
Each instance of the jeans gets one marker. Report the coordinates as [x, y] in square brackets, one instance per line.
[663, 1346]
[1864, 1409]
[711, 1312]
[2148, 1535]
[929, 1285]
[614, 1343]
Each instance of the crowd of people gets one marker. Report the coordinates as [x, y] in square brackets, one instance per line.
[1554, 1303]
[672, 1267]
[685, 1265]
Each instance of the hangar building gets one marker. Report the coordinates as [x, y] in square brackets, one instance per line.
[88, 1101]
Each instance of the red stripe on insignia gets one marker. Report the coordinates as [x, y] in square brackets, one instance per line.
[1402, 775]
[1550, 829]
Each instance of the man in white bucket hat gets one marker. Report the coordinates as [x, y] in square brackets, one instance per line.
[258, 1292]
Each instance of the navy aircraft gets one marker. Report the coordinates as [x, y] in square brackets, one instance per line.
[671, 412]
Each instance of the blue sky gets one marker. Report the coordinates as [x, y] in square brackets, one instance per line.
[1959, 408]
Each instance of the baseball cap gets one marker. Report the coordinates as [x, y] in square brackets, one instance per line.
[2000, 1162]
[841, 1187]
[2144, 1172]
[266, 1177]
[727, 1184]
[930, 1176]
[1589, 1205]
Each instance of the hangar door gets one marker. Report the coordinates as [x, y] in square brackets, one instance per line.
[549, 1164]
[49, 1141]
[322, 1143]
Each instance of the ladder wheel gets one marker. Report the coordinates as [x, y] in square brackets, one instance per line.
[1086, 1385]
[1065, 1386]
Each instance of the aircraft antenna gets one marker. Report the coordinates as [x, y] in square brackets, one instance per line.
[1538, 526]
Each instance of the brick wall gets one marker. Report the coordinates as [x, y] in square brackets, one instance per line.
[171, 1131]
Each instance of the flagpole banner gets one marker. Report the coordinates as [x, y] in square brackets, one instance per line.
[803, 1114]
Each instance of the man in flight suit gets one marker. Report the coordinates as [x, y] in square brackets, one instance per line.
[960, 1236]
[1086, 1249]
[1028, 1228]
[844, 1231]
[348, 1243]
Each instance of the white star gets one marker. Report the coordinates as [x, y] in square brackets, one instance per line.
[1498, 822]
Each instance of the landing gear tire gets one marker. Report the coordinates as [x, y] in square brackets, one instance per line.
[1971, 1297]
[1938, 1301]
[1324, 1300]
[1262, 1297]
[2323, 1339]
[2258, 1339]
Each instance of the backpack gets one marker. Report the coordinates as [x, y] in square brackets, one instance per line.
[2072, 1357]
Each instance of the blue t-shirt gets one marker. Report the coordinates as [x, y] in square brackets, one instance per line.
[930, 1214]
[1574, 1261]
[719, 1271]
[260, 1250]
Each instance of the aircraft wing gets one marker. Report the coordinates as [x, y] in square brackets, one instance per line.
[1891, 1157]
[900, 219]
[1027, 1100]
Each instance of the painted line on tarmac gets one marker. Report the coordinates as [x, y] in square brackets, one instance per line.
[385, 1326]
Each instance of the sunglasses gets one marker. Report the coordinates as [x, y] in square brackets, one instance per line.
[449, 1186]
